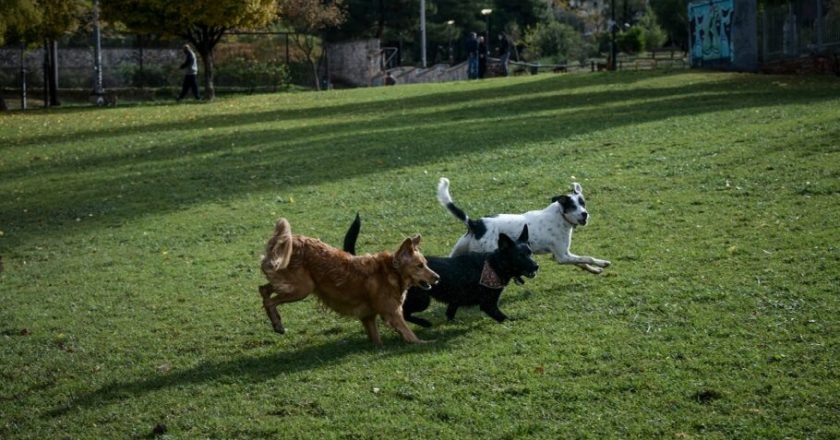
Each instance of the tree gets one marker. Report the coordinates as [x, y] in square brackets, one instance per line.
[201, 22]
[652, 33]
[673, 16]
[557, 40]
[309, 19]
[16, 17]
[30, 21]
[58, 17]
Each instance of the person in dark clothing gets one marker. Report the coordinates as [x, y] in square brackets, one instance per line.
[472, 56]
[504, 52]
[190, 67]
[482, 57]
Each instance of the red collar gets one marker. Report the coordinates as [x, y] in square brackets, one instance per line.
[489, 278]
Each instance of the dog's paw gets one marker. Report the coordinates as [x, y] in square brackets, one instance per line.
[604, 263]
[279, 329]
[590, 269]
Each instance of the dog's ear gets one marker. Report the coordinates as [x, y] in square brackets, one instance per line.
[559, 199]
[505, 242]
[416, 240]
[523, 237]
[405, 251]
[577, 188]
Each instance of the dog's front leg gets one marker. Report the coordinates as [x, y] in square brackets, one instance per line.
[270, 306]
[451, 309]
[583, 262]
[396, 321]
[490, 306]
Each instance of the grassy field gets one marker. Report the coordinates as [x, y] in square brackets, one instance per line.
[131, 239]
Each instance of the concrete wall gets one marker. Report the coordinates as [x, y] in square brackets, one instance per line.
[723, 34]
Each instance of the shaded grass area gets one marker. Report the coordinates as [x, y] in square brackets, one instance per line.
[131, 237]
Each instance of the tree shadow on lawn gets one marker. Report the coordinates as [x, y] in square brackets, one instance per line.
[325, 109]
[167, 178]
[258, 369]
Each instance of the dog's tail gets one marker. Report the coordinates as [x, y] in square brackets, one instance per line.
[279, 250]
[446, 200]
[352, 235]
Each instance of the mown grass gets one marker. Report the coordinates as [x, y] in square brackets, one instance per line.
[131, 239]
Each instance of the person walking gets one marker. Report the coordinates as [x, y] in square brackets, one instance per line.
[504, 52]
[472, 56]
[190, 67]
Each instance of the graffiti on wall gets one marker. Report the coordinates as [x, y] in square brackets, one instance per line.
[711, 32]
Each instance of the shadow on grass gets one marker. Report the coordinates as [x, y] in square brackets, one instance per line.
[254, 369]
[127, 183]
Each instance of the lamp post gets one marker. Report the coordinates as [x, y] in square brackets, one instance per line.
[97, 57]
[450, 24]
[423, 32]
[486, 13]
[613, 48]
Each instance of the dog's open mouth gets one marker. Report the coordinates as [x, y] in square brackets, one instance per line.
[425, 286]
[519, 281]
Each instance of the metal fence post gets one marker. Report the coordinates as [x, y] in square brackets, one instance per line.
[22, 76]
[819, 24]
[764, 44]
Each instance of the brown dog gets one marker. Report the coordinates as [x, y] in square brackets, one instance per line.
[358, 286]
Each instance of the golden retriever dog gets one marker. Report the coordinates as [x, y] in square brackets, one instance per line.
[358, 286]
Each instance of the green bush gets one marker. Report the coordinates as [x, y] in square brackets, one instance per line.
[631, 40]
[555, 40]
[652, 34]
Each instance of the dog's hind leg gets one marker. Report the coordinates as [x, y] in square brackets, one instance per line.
[372, 331]
[461, 247]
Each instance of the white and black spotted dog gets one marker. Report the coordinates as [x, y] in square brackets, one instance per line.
[550, 228]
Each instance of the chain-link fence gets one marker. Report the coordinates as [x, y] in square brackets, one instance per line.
[147, 67]
[798, 28]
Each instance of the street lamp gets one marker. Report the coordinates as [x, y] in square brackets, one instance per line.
[486, 13]
[613, 48]
[423, 32]
[450, 24]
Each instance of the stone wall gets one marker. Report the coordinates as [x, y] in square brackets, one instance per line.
[354, 63]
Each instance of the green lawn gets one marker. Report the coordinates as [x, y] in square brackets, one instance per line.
[131, 239]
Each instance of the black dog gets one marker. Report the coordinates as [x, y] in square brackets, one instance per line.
[466, 280]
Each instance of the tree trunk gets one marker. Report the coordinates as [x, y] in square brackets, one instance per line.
[209, 88]
[3, 106]
[314, 73]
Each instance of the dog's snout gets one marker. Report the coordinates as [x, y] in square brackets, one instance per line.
[585, 215]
